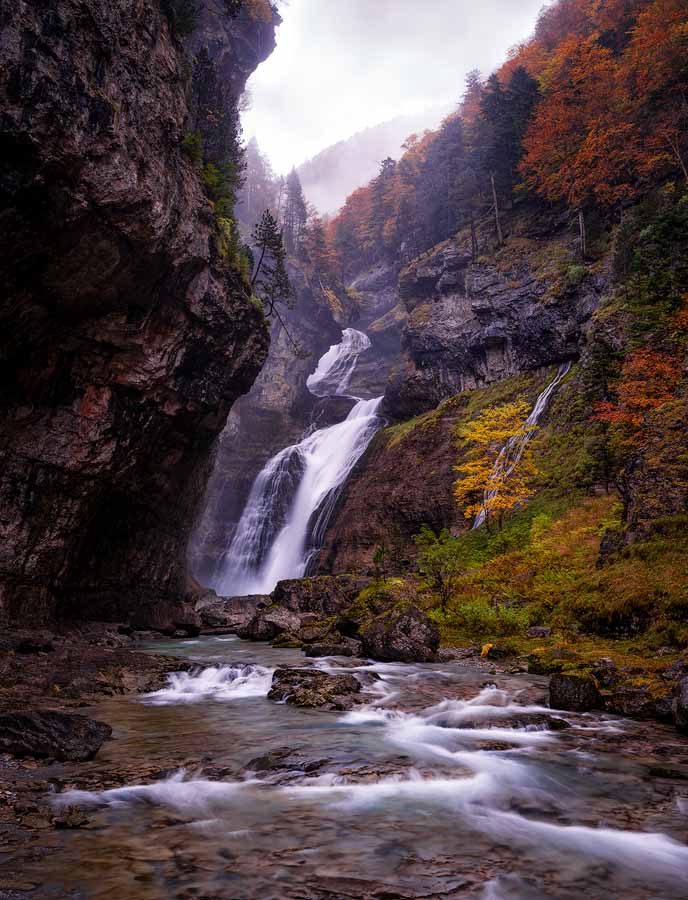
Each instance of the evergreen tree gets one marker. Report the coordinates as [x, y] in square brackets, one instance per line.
[270, 280]
[259, 189]
[295, 214]
[382, 202]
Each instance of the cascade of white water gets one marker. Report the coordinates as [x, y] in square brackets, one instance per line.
[292, 498]
[512, 451]
[334, 371]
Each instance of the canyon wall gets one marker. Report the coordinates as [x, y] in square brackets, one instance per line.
[126, 337]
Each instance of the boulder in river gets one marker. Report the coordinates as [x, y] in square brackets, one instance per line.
[401, 634]
[313, 688]
[574, 691]
[229, 613]
[680, 705]
[167, 617]
[325, 595]
[267, 623]
[51, 734]
[335, 646]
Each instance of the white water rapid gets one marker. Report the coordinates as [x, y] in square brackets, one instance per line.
[292, 498]
[512, 451]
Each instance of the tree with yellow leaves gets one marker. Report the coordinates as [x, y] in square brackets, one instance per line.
[497, 473]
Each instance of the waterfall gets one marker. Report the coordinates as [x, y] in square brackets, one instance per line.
[285, 517]
[512, 451]
[334, 371]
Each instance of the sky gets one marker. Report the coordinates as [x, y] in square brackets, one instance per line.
[343, 65]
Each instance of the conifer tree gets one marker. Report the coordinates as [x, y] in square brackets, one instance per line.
[270, 280]
[295, 214]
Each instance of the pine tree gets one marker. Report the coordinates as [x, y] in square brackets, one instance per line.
[295, 214]
[270, 280]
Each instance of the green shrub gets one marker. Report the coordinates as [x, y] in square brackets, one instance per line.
[482, 619]
[192, 146]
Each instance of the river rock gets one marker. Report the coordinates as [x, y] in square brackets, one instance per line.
[51, 734]
[229, 612]
[335, 647]
[680, 705]
[313, 688]
[167, 617]
[270, 622]
[325, 595]
[574, 691]
[401, 634]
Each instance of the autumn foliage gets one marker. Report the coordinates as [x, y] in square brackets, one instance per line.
[591, 111]
[497, 474]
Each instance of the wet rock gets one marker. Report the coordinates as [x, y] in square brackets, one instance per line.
[218, 613]
[268, 623]
[448, 654]
[401, 634]
[637, 702]
[285, 759]
[325, 595]
[577, 692]
[335, 647]
[680, 706]
[539, 631]
[167, 617]
[498, 651]
[312, 688]
[287, 641]
[51, 734]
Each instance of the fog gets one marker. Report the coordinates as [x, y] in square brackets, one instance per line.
[344, 65]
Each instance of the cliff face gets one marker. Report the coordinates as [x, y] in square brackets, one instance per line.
[125, 338]
[471, 324]
[474, 333]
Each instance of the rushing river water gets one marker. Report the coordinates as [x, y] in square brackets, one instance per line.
[442, 784]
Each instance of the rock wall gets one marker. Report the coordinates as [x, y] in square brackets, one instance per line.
[471, 324]
[125, 339]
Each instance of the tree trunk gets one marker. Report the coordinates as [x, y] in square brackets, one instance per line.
[583, 236]
[500, 239]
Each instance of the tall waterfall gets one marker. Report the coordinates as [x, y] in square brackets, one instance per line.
[512, 451]
[291, 501]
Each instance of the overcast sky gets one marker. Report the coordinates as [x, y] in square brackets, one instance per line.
[342, 65]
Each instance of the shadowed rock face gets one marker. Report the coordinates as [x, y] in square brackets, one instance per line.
[470, 325]
[125, 339]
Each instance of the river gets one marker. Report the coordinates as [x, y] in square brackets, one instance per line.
[445, 782]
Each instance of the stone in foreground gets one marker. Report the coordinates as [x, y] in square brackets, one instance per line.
[680, 706]
[575, 692]
[48, 734]
[312, 688]
[402, 634]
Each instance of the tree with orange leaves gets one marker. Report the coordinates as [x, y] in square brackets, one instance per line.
[648, 381]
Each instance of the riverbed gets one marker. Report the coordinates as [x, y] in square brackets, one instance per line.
[446, 781]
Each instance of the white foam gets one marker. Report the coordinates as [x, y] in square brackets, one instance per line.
[215, 682]
[194, 796]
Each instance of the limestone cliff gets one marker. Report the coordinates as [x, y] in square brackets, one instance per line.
[125, 337]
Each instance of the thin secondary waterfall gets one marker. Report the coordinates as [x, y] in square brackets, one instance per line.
[291, 501]
[512, 451]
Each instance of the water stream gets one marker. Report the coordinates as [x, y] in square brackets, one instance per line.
[512, 451]
[291, 501]
[447, 782]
